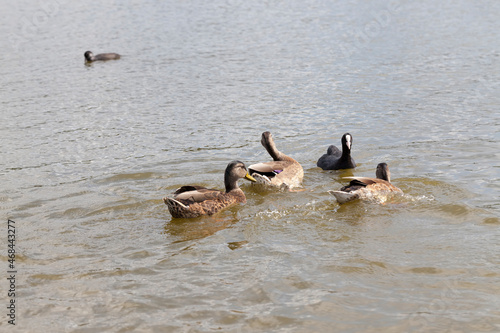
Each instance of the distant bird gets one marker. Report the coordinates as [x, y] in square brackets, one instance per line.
[193, 200]
[89, 56]
[368, 188]
[283, 171]
[334, 159]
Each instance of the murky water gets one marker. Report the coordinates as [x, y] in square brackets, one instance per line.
[89, 151]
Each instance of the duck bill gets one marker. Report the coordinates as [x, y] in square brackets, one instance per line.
[250, 178]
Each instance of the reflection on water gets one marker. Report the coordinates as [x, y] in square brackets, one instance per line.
[89, 151]
[182, 230]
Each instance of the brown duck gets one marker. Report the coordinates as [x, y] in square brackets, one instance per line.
[193, 200]
[368, 188]
[283, 171]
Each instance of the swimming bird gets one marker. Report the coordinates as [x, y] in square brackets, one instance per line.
[368, 188]
[89, 56]
[334, 159]
[193, 200]
[283, 171]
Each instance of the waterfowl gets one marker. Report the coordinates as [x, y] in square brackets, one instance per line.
[334, 159]
[368, 188]
[283, 171]
[193, 200]
[89, 56]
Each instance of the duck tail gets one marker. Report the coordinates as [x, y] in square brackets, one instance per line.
[174, 203]
[176, 208]
[343, 197]
[261, 179]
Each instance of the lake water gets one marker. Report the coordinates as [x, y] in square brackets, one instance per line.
[88, 152]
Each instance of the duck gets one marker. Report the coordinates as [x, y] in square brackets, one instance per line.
[193, 200]
[334, 159]
[89, 56]
[283, 172]
[368, 188]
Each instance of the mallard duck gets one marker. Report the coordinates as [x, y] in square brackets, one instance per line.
[89, 56]
[194, 200]
[368, 188]
[334, 159]
[283, 171]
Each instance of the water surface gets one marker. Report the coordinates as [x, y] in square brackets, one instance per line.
[88, 151]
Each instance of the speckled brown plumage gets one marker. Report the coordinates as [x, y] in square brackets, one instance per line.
[193, 200]
[368, 188]
[214, 202]
[283, 171]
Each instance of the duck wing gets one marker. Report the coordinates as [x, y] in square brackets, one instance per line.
[269, 169]
[372, 184]
[194, 193]
[201, 202]
[188, 188]
[363, 181]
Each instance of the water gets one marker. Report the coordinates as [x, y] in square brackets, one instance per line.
[89, 151]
